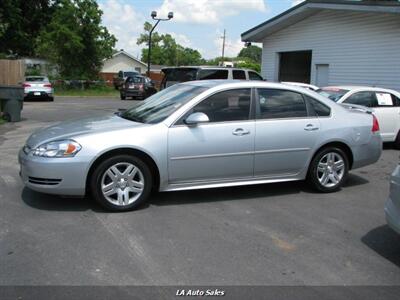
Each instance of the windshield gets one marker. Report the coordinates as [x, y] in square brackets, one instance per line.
[130, 74]
[161, 105]
[332, 93]
[34, 79]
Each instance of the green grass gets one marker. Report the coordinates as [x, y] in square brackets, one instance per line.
[90, 92]
[2, 121]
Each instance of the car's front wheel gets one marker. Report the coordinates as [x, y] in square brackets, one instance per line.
[122, 96]
[328, 169]
[121, 183]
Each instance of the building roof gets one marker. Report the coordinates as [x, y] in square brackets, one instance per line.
[311, 7]
[129, 55]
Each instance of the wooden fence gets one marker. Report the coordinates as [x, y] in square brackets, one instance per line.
[11, 71]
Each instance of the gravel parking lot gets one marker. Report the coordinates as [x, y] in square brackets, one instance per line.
[276, 234]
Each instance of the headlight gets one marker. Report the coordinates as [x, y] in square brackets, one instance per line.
[66, 148]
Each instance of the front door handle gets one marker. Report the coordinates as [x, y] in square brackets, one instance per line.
[240, 131]
[311, 127]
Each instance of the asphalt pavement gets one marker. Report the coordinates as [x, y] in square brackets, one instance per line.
[273, 234]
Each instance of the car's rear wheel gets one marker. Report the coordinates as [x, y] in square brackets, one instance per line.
[397, 141]
[122, 96]
[328, 169]
[121, 183]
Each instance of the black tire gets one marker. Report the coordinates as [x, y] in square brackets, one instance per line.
[312, 176]
[51, 99]
[397, 141]
[97, 177]
[122, 96]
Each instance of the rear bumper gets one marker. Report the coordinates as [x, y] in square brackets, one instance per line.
[60, 176]
[38, 95]
[367, 154]
[134, 93]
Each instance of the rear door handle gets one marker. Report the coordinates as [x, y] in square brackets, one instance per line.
[240, 131]
[311, 127]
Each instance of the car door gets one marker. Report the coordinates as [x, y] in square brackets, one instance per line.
[384, 109]
[220, 149]
[285, 133]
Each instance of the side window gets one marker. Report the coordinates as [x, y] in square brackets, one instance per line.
[254, 76]
[385, 99]
[205, 74]
[396, 100]
[276, 104]
[232, 105]
[238, 74]
[320, 109]
[363, 98]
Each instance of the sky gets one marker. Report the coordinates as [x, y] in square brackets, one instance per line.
[198, 24]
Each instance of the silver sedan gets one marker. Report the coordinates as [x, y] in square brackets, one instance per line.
[202, 134]
[392, 205]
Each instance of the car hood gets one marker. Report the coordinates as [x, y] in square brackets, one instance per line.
[70, 129]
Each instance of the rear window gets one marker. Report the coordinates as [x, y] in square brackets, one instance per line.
[130, 74]
[135, 79]
[205, 74]
[35, 79]
[332, 93]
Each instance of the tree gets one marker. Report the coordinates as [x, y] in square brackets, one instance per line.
[74, 39]
[252, 52]
[166, 51]
[20, 23]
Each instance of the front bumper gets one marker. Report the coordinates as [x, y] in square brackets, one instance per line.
[60, 176]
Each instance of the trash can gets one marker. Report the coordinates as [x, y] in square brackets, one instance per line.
[11, 100]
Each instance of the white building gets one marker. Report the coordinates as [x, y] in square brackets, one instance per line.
[332, 42]
[123, 61]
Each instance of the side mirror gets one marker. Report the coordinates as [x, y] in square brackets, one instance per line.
[197, 118]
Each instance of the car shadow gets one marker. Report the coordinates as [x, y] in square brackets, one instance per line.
[56, 203]
[354, 180]
[384, 241]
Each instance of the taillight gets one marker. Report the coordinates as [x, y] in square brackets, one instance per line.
[26, 85]
[141, 87]
[47, 85]
[375, 124]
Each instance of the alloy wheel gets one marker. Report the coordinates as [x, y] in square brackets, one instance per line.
[331, 169]
[122, 184]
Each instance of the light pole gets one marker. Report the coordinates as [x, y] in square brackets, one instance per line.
[154, 17]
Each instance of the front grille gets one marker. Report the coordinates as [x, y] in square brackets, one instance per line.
[44, 181]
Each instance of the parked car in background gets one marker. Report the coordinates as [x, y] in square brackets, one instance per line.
[392, 205]
[174, 75]
[202, 134]
[38, 88]
[303, 85]
[121, 77]
[384, 103]
[137, 87]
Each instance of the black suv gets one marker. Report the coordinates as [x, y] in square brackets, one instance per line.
[137, 87]
[175, 75]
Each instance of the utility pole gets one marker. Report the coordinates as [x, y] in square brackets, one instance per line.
[223, 48]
